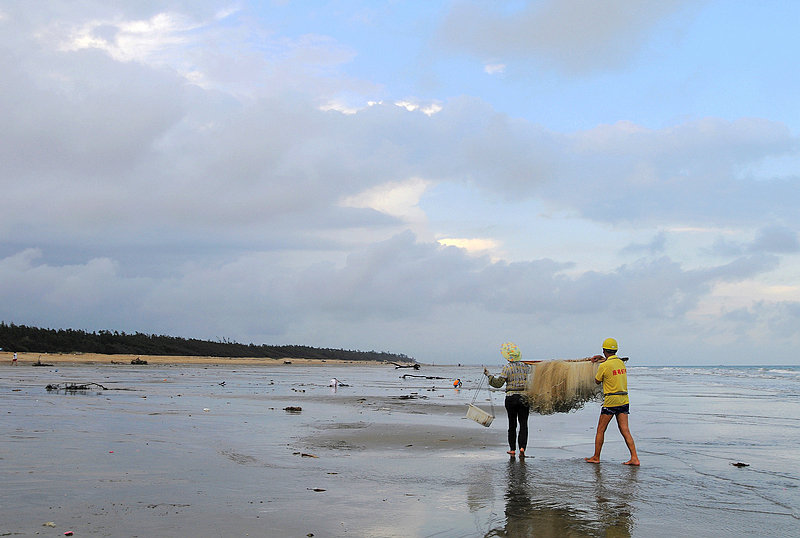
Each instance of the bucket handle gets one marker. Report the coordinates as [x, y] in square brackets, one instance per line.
[475, 396]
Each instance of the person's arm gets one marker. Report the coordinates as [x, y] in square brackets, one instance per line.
[496, 382]
[595, 359]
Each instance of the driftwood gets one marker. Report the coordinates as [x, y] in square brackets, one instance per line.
[137, 360]
[423, 376]
[414, 366]
[78, 387]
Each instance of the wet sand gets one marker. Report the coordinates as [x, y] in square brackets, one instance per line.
[179, 450]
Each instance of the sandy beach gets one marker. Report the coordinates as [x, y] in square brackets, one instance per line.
[99, 358]
[241, 450]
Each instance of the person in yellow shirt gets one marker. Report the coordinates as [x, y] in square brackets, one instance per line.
[614, 377]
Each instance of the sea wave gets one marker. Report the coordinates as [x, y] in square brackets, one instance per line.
[789, 374]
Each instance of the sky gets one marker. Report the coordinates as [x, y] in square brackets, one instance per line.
[432, 178]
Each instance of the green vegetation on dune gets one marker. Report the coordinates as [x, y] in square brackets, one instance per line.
[35, 340]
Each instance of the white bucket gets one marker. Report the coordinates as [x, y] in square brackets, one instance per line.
[479, 415]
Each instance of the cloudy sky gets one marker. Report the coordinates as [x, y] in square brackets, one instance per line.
[422, 177]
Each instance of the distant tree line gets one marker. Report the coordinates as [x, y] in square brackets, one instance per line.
[22, 338]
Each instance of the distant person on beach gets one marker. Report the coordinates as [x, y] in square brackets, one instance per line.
[334, 383]
[515, 377]
[14, 360]
[614, 377]
[456, 383]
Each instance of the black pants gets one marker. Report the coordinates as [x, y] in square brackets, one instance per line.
[517, 408]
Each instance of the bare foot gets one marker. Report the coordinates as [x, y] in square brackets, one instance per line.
[592, 460]
[512, 452]
[631, 462]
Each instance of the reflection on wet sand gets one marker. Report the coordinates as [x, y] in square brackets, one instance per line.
[530, 510]
[614, 501]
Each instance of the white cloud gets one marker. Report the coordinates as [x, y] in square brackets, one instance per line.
[429, 109]
[494, 69]
[397, 198]
[470, 245]
[132, 40]
[339, 106]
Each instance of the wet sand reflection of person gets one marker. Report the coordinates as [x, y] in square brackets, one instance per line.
[613, 494]
[533, 510]
[518, 503]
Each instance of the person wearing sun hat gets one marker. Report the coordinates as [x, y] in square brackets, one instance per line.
[515, 377]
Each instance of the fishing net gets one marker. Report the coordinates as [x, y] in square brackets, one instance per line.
[561, 386]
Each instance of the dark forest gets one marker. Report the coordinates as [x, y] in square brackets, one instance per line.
[22, 338]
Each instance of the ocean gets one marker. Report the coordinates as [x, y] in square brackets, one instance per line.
[218, 451]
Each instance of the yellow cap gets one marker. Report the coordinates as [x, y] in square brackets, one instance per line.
[610, 344]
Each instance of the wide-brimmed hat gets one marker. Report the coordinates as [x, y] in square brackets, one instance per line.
[510, 351]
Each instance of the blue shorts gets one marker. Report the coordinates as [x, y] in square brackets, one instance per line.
[616, 410]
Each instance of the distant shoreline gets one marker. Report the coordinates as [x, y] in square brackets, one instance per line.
[28, 359]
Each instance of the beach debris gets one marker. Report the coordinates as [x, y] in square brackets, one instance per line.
[414, 366]
[80, 387]
[411, 397]
[221, 383]
[40, 363]
[423, 376]
[305, 455]
[315, 489]
[49, 524]
[137, 360]
[740, 464]
[287, 362]
[293, 409]
[73, 387]
[68, 533]
[206, 409]
[335, 383]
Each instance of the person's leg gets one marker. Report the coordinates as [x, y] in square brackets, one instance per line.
[622, 423]
[522, 417]
[511, 409]
[599, 437]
